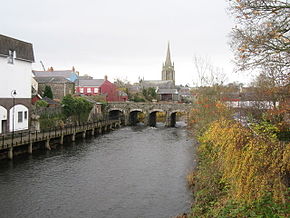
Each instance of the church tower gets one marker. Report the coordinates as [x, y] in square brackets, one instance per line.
[168, 72]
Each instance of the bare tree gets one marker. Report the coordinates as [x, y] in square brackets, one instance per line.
[261, 37]
[207, 74]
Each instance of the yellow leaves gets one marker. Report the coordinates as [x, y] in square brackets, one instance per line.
[252, 165]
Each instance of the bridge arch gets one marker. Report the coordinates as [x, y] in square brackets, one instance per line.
[172, 117]
[117, 113]
[152, 116]
[134, 116]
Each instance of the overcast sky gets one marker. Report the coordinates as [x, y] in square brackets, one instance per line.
[123, 39]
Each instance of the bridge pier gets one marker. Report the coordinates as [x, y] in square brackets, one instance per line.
[10, 153]
[30, 146]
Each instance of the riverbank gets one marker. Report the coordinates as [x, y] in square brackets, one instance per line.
[242, 171]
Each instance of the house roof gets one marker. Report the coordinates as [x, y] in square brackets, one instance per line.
[52, 80]
[23, 50]
[55, 73]
[167, 91]
[90, 82]
[157, 83]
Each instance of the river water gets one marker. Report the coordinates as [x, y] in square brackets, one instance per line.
[131, 172]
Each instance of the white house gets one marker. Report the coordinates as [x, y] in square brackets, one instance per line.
[16, 58]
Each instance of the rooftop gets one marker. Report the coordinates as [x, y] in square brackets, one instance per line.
[167, 91]
[55, 73]
[90, 82]
[23, 50]
[52, 79]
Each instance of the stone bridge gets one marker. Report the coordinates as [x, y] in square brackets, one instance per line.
[128, 112]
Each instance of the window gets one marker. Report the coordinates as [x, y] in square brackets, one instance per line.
[89, 90]
[20, 117]
[96, 90]
[10, 58]
[25, 115]
[81, 90]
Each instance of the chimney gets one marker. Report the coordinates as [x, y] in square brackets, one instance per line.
[106, 77]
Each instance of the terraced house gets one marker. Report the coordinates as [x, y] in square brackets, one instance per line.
[16, 58]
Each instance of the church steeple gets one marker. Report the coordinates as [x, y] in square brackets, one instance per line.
[168, 72]
[168, 57]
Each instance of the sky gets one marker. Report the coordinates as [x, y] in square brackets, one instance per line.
[124, 39]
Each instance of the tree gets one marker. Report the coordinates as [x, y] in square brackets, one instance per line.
[149, 93]
[207, 74]
[124, 85]
[48, 92]
[261, 37]
[76, 107]
[261, 40]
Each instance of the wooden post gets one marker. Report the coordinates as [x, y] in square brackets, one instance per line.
[100, 130]
[93, 132]
[61, 139]
[10, 153]
[47, 146]
[30, 147]
[73, 137]
[84, 134]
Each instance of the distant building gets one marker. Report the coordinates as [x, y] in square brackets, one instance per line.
[100, 87]
[71, 75]
[162, 84]
[60, 86]
[165, 88]
[168, 72]
[185, 94]
[89, 86]
[16, 58]
[167, 95]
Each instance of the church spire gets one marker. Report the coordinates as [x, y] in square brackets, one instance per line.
[168, 72]
[168, 57]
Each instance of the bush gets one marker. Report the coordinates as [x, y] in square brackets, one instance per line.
[41, 103]
[76, 107]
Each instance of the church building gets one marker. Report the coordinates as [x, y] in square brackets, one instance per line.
[168, 72]
[165, 88]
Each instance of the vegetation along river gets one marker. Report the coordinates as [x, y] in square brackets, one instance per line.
[131, 172]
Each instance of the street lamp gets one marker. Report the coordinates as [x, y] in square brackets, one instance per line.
[13, 95]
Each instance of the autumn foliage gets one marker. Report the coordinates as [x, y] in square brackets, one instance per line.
[243, 170]
[238, 167]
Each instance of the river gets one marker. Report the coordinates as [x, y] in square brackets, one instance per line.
[131, 172]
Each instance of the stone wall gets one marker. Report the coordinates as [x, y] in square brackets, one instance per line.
[59, 90]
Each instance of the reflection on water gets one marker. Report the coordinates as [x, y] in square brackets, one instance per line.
[132, 172]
